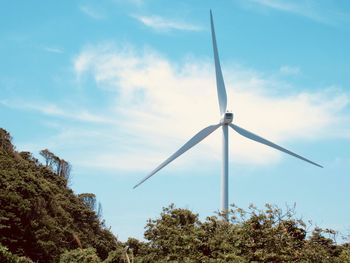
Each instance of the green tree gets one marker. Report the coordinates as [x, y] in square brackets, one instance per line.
[56, 164]
[120, 255]
[79, 255]
[322, 249]
[270, 234]
[89, 199]
[173, 235]
[179, 236]
[5, 142]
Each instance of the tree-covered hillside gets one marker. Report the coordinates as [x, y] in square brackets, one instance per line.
[42, 220]
[40, 216]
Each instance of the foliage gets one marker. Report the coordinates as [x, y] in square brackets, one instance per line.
[269, 235]
[120, 255]
[89, 199]
[179, 236]
[256, 235]
[40, 217]
[24, 260]
[79, 255]
[7, 257]
[5, 142]
[173, 235]
[56, 164]
[344, 255]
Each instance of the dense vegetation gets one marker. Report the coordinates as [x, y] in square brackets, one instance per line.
[40, 217]
[42, 220]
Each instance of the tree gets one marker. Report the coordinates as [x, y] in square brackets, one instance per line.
[99, 211]
[56, 164]
[270, 234]
[120, 255]
[322, 249]
[89, 200]
[5, 142]
[79, 255]
[48, 156]
[173, 235]
[63, 169]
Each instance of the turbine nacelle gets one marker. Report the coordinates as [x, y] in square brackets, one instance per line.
[226, 118]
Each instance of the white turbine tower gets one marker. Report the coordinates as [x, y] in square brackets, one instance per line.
[224, 123]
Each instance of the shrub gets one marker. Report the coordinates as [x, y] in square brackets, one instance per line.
[79, 255]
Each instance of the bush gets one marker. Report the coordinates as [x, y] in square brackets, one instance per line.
[117, 256]
[87, 255]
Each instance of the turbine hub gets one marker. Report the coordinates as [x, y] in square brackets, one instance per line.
[226, 118]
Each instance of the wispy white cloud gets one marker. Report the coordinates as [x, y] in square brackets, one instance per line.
[91, 12]
[56, 111]
[163, 24]
[54, 49]
[165, 103]
[289, 6]
[323, 12]
[290, 70]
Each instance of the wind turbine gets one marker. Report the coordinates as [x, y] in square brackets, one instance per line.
[225, 122]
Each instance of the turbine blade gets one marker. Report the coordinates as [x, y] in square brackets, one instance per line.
[188, 145]
[257, 138]
[220, 85]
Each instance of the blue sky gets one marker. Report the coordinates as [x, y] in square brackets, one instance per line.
[116, 86]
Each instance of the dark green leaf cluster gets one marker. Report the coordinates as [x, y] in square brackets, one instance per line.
[79, 255]
[7, 257]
